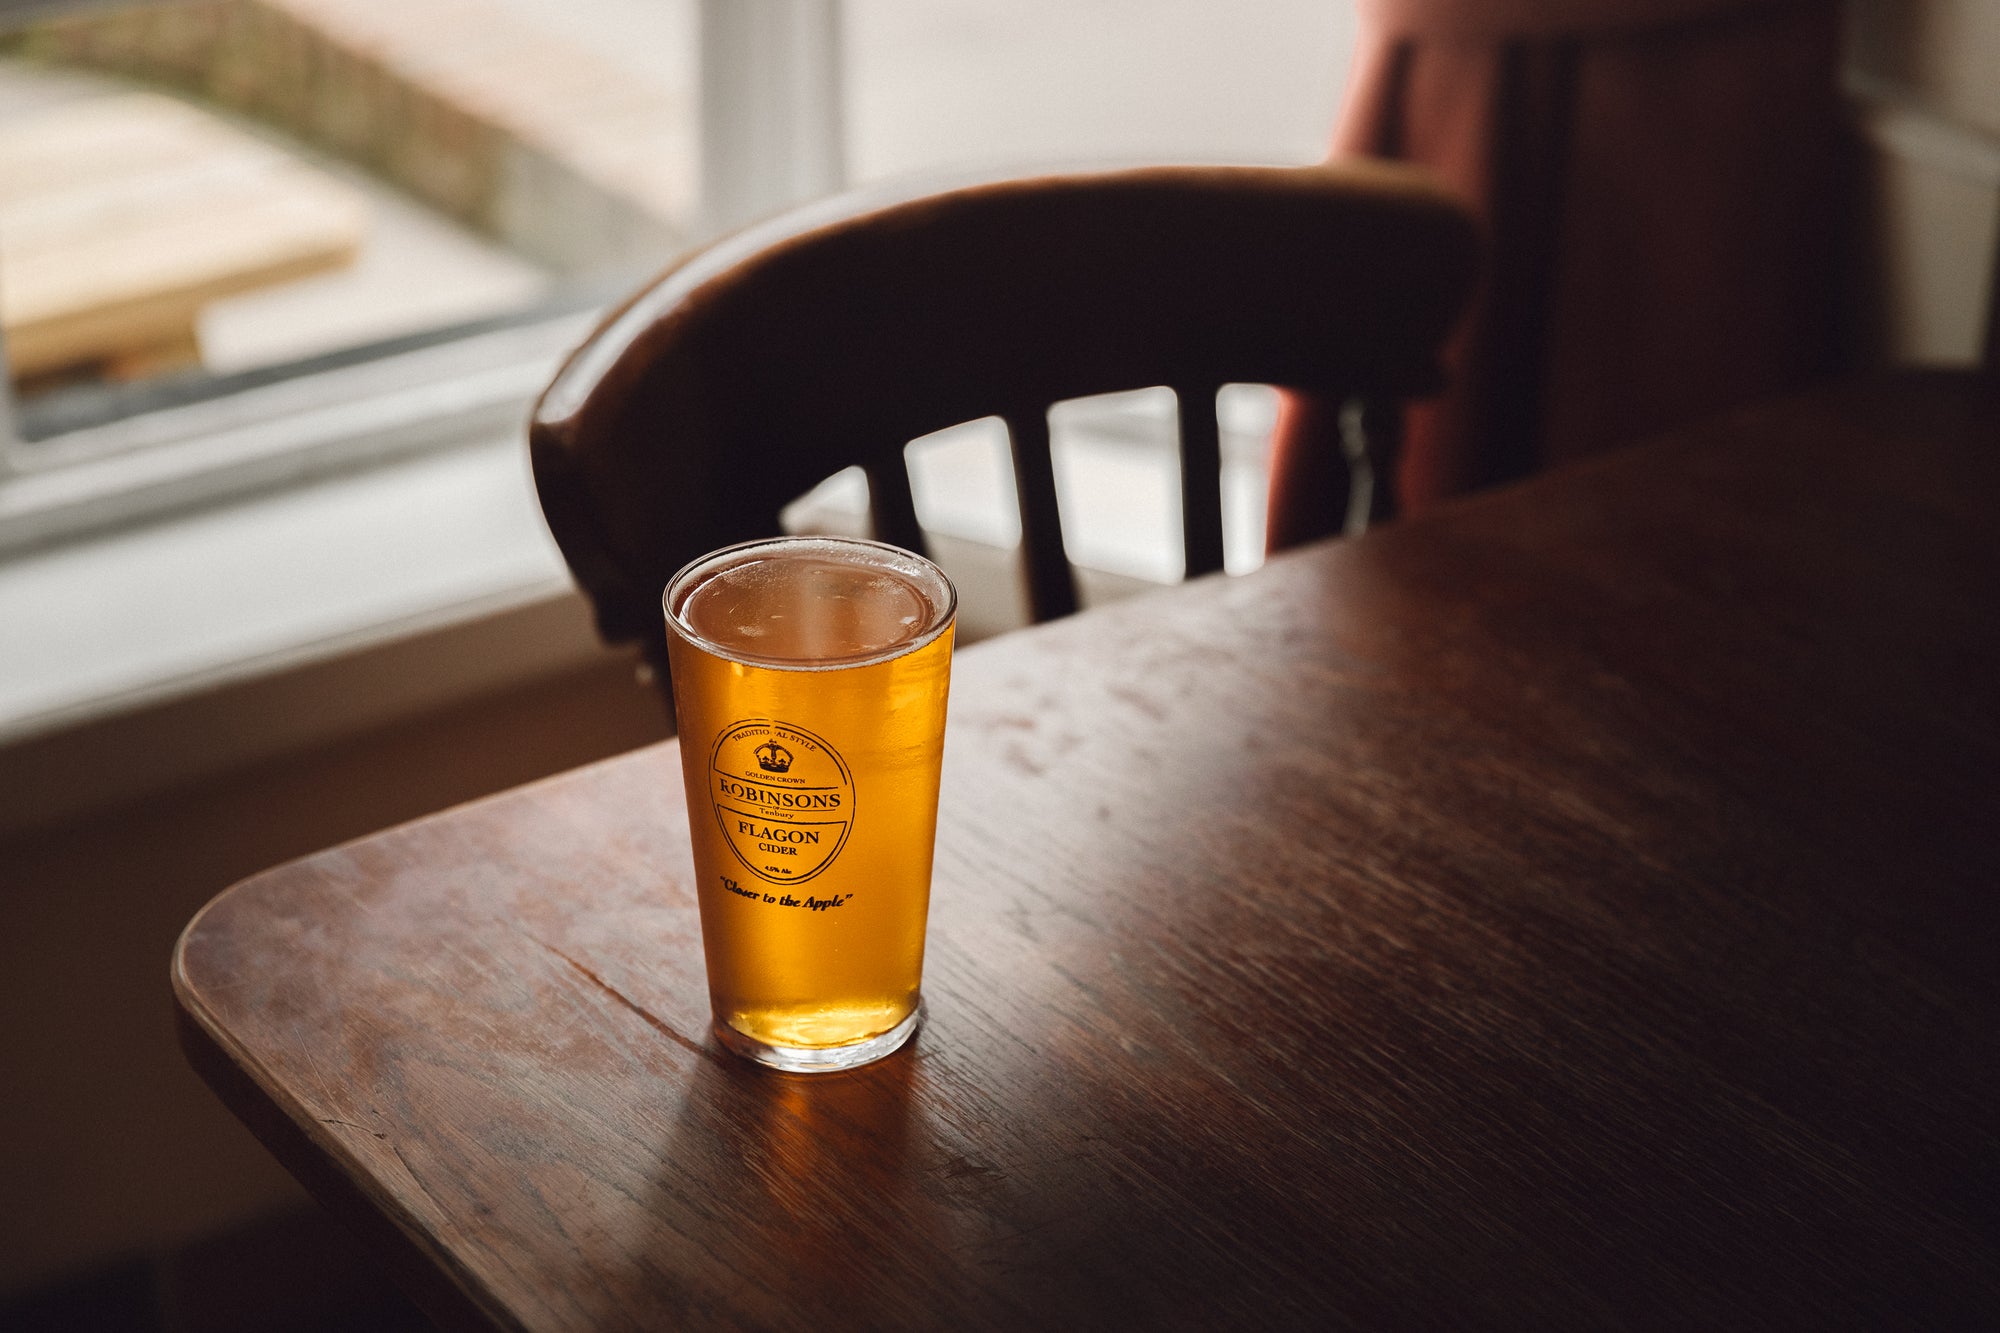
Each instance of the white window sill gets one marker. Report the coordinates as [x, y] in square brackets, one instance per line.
[141, 659]
[171, 607]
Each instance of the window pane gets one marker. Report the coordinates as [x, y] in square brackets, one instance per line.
[199, 189]
[936, 83]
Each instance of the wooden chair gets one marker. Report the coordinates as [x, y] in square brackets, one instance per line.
[835, 334]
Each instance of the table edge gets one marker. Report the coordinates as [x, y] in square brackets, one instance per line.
[431, 1276]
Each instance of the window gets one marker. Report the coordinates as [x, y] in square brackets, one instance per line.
[427, 200]
[242, 241]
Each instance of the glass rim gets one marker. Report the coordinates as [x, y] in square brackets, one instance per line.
[683, 582]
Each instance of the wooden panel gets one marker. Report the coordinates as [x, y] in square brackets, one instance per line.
[121, 217]
[1570, 908]
[445, 98]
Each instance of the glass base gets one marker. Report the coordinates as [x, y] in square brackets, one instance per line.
[820, 1059]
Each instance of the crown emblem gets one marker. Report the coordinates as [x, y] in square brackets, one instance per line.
[773, 757]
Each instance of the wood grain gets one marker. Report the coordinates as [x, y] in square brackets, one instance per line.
[1575, 908]
[121, 217]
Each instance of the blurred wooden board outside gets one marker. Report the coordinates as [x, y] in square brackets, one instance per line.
[508, 124]
[121, 217]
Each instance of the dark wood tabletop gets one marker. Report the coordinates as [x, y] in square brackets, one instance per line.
[1575, 908]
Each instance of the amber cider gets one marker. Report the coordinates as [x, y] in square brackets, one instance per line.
[810, 677]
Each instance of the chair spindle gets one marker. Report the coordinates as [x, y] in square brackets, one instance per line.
[891, 505]
[1371, 438]
[1051, 586]
[1201, 480]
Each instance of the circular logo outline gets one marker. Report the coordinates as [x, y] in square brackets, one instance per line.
[847, 782]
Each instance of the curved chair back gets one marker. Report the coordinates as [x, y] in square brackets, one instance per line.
[835, 334]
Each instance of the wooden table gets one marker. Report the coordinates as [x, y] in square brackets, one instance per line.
[1577, 908]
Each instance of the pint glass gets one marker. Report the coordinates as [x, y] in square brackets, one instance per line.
[809, 679]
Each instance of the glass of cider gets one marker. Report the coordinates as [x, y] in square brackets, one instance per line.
[809, 682]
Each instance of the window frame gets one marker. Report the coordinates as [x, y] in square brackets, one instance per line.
[769, 135]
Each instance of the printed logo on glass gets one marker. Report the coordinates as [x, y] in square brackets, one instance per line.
[783, 798]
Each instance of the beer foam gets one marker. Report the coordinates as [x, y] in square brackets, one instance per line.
[811, 602]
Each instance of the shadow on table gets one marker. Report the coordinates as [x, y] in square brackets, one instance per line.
[813, 1198]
